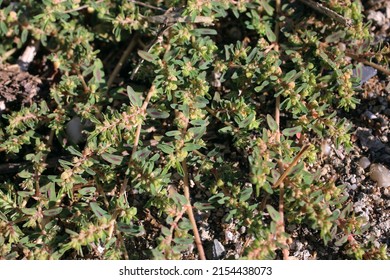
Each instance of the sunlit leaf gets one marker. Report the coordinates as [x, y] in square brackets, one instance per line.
[272, 123]
[52, 212]
[273, 213]
[99, 212]
[154, 113]
[114, 159]
[135, 97]
[291, 131]
[146, 56]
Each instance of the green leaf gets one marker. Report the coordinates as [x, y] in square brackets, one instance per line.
[3, 217]
[260, 87]
[52, 212]
[204, 31]
[341, 241]
[29, 211]
[135, 97]
[25, 174]
[25, 193]
[267, 7]
[291, 131]
[273, 213]
[290, 76]
[189, 147]
[173, 133]
[272, 123]
[131, 229]
[335, 215]
[182, 241]
[24, 35]
[246, 121]
[146, 56]
[3, 27]
[203, 206]
[270, 34]
[142, 154]
[99, 212]
[252, 55]
[87, 191]
[165, 231]
[154, 113]
[114, 159]
[246, 194]
[74, 152]
[166, 148]
[197, 132]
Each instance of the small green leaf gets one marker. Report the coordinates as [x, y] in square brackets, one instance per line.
[246, 121]
[3, 27]
[114, 159]
[154, 113]
[341, 241]
[260, 87]
[203, 206]
[146, 56]
[131, 229]
[141, 154]
[29, 211]
[290, 76]
[74, 152]
[165, 231]
[267, 7]
[182, 241]
[25, 174]
[25, 193]
[3, 217]
[189, 147]
[197, 132]
[173, 133]
[52, 212]
[99, 212]
[135, 97]
[273, 213]
[168, 149]
[246, 194]
[204, 31]
[270, 34]
[272, 123]
[24, 35]
[291, 131]
[87, 191]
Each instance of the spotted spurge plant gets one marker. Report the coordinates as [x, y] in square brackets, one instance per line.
[187, 109]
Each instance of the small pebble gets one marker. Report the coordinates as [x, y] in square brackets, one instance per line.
[364, 162]
[218, 250]
[380, 174]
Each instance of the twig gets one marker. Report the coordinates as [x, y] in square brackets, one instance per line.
[328, 12]
[290, 167]
[150, 46]
[369, 63]
[122, 60]
[214, 114]
[186, 190]
[190, 213]
[281, 227]
[136, 138]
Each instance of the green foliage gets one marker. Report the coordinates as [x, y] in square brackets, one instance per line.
[207, 117]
